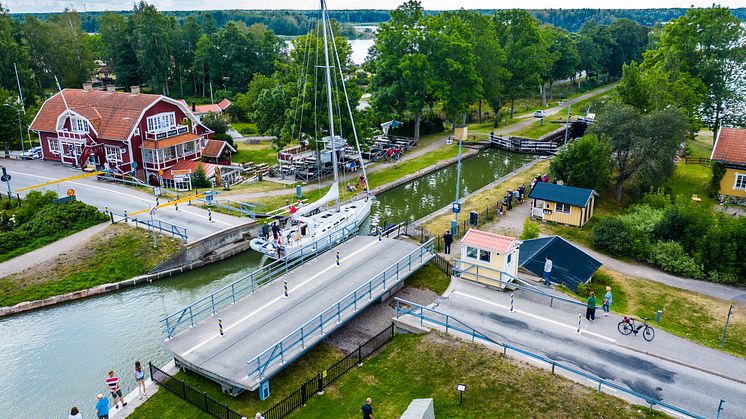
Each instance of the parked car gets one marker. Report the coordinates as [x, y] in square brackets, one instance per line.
[32, 154]
[540, 114]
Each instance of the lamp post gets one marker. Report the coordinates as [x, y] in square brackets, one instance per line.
[567, 123]
[456, 206]
[20, 129]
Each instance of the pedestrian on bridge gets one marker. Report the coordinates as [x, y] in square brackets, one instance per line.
[367, 409]
[140, 380]
[102, 407]
[447, 240]
[590, 311]
[116, 392]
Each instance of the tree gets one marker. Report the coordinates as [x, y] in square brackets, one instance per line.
[151, 35]
[185, 44]
[218, 123]
[707, 44]
[205, 63]
[633, 89]
[563, 55]
[596, 46]
[269, 114]
[119, 53]
[13, 52]
[642, 146]
[585, 163]
[630, 41]
[244, 102]
[199, 178]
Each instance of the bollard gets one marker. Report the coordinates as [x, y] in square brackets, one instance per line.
[125, 216]
[220, 326]
[658, 316]
[176, 206]
[511, 301]
[338, 258]
[106, 210]
[580, 317]
[378, 229]
[157, 201]
[285, 287]
[209, 215]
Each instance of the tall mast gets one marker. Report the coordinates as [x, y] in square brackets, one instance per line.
[329, 93]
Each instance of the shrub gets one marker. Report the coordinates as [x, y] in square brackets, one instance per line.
[724, 277]
[530, 229]
[224, 137]
[248, 130]
[199, 178]
[610, 235]
[219, 123]
[671, 257]
[657, 198]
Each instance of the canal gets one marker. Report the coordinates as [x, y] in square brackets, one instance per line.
[58, 357]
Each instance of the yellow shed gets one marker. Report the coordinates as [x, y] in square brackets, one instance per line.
[730, 150]
[562, 204]
[486, 257]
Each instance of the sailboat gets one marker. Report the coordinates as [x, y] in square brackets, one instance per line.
[316, 221]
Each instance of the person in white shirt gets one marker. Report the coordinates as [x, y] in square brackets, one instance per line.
[547, 271]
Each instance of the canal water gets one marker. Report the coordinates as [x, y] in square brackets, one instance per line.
[58, 357]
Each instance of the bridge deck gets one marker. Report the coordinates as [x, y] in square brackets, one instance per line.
[261, 320]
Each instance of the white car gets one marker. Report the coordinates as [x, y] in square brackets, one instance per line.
[32, 154]
[540, 114]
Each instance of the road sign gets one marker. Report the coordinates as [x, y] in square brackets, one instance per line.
[160, 172]
[134, 165]
[156, 191]
[456, 207]
[5, 178]
[71, 192]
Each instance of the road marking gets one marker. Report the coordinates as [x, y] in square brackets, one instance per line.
[536, 317]
[276, 299]
[55, 181]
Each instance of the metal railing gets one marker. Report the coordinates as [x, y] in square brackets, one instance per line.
[192, 395]
[328, 320]
[451, 324]
[162, 227]
[231, 293]
[325, 378]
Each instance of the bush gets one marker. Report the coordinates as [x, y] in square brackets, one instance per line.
[248, 130]
[218, 123]
[199, 178]
[530, 229]
[671, 257]
[224, 137]
[610, 235]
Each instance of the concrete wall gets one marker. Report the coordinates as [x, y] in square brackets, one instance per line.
[420, 409]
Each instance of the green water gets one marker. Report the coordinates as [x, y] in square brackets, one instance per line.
[416, 199]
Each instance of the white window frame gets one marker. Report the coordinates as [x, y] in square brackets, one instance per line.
[163, 121]
[190, 148]
[469, 250]
[485, 256]
[54, 145]
[78, 124]
[113, 154]
[562, 208]
[740, 181]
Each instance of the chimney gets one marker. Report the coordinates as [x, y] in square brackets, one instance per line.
[111, 88]
[88, 86]
[134, 89]
[194, 107]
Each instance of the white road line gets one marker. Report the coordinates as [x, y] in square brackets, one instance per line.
[536, 317]
[276, 299]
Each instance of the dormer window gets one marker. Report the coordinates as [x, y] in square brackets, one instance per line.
[161, 122]
[78, 124]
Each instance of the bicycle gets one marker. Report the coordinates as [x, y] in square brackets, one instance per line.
[628, 325]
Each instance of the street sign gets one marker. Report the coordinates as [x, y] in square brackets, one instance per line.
[71, 192]
[156, 191]
[5, 178]
[134, 165]
[456, 207]
[160, 172]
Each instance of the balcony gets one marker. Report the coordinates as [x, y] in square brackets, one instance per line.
[70, 135]
[171, 132]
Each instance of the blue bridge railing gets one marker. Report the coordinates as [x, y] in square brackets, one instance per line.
[295, 343]
[231, 293]
[451, 324]
[162, 227]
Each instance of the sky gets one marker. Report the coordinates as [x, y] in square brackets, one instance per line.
[22, 6]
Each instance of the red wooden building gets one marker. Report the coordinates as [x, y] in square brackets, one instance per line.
[122, 132]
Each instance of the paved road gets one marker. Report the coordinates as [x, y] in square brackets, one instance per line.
[551, 332]
[116, 197]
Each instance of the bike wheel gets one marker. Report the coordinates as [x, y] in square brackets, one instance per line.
[648, 333]
[624, 328]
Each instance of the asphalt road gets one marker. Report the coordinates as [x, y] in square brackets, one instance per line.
[551, 332]
[118, 198]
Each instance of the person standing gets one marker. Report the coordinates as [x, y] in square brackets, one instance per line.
[590, 311]
[367, 409]
[102, 407]
[116, 392]
[258, 416]
[547, 270]
[275, 231]
[140, 380]
[75, 413]
[265, 231]
[607, 302]
[509, 197]
[447, 240]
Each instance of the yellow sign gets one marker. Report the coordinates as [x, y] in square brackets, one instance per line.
[160, 172]
[174, 202]
[52, 182]
[323, 374]
[71, 192]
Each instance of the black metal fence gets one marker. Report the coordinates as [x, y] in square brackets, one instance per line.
[696, 160]
[192, 395]
[443, 264]
[323, 379]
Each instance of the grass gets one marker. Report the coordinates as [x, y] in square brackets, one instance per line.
[690, 315]
[258, 153]
[692, 179]
[431, 278]
[120, 252]
[165, 404]
[580, 235]
[244, 126]
[429, 366]
[536, 130]
[480, 200]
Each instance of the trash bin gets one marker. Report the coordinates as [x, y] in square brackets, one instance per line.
[298, 191]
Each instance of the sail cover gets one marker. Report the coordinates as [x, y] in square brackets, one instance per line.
[331, 195]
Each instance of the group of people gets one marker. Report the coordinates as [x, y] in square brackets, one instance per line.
[512, 197]
[112, 385]
[394, 153]
[590, 311]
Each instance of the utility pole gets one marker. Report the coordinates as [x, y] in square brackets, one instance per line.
[567, 123]
[456, 205]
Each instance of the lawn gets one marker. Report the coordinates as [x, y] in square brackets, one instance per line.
[120, 252]
[245, 128]
[687, 314]
[536, 130]
[692, 179]
[431, 278]
[258, 153]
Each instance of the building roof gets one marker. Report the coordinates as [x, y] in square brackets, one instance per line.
[210, 107]
[214, 148]
[112, 114]
[168, 142]
[188, 167]
[489, 241]
[730, 146]
[570, 265]
[571, 195]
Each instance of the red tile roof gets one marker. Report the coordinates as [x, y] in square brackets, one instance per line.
[210, 107]
[730, 146]
[214, 148]
[189, 167]
[168, 142]
[112, 114]
[488, 241]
